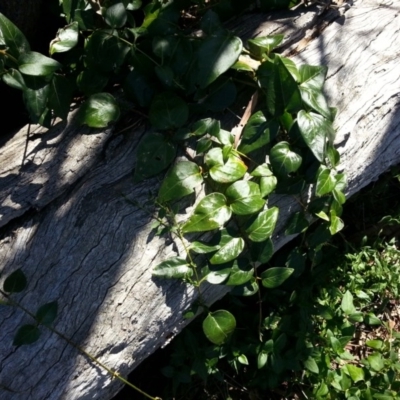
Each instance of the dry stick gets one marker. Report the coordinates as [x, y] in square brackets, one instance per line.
[113, 373]
[237, 130]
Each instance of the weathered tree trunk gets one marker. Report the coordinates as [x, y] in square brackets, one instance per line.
[66, 223]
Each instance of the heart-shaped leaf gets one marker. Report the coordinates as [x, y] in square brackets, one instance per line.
[228, 251]
[14, 79]
[211, 213]
[15, 282]
[241, 272]
[26, 334]
[116, 15]
[313, 77]
[180, 181]
[263, 225]
[317, 101]
[66, 39]
[231, 171]
[325, 182]
[168, 111]
[283, 160]
[36, 64]
[262, 46]
[275, 276]
[244, 197]
[218, 325]
[155, 153]
[13, 38]
[99, 110]
[267, 185]
[175, 267]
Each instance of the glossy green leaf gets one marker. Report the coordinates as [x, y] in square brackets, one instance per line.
[267, 185]
[244, 197]
[60, 96]
[248, 289]
[257, 133]
[12, 37]
[325, 182]
[219, 276]
[292, 68]
[203, 145]
[284, 160]
[175, 267]
[15, 282]
[214, 157]
[376, 361]
[26, 334]
[228, 251]
[297, 223]
[262, 46]
[91, 82]
[311, 365]
[356, 373]
[99, 110]
[261, 252]
[168, 111]
[316, 100]
[313, 77]
[202, 248]
[14, 79]
[280, 87]
[356, 317]
[36, 64]
[372, 319]
[155, 153]
[215, 56]
[333, 155]
[116, 15]
[263, 225]
[243, 359]
[180, 181]
[47, 313]
[211, 213]
[36, 97]
[336, 224]
[204, 126]
[347, 303]
[262, 170]
[275, 276]
[218, 325]
[231, 171]
[375, 344]
[66, 39]
[104, 51]
[315, 129]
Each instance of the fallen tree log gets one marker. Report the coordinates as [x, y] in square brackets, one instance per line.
[67, 224]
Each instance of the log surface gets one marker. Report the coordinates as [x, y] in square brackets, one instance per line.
[65, 220]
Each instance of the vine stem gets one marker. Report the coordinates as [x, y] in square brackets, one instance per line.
[9, 56]
[113, 373]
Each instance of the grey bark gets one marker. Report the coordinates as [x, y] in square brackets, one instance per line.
[67, 224]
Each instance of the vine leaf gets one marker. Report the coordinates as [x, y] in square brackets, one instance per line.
[325, 182]
[47, 313]
[218, 325]
[240, 273]
[168, 111]
[14, 79]
[36, 64]
[36, 96]
[60, 95]
[175, 267]
[155, 153]
[297, 223]
[211, 213]
[26, 334]
[231, 171]
[116, 15]
[262, 46]
[98, 110]
[314, 129]
[244, 197]
[248, 289]
[219, 276]
[15, 282]
[13, 38]
[313, 77]
[180, 181]
[275, 276]
[267, 185]
[283, 160]
[67, 38]
[216, 54]
[202, 248]
[261, 252]
[228, 252]
[263, 225]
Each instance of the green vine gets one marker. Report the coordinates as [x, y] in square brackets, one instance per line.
[181, 68]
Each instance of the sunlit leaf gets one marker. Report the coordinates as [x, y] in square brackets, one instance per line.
[231, 171]
[175, 267]
[262, 46]
[275, 276]
[211, 213]
[218, 325]
[325, 182]
[36, 64]
[283, 159]
[244, 197]
[228, 251]
[13, 38]
[263, 225]
[313, 77]
[180, 181]
[66, 39]
[99, 110]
